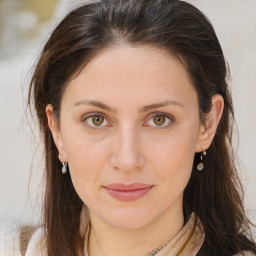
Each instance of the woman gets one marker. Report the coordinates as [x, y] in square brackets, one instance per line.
[134, 107]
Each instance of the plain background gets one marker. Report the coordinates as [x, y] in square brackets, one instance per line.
[20, 147]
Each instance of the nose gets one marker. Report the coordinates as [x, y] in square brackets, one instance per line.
[127, 151]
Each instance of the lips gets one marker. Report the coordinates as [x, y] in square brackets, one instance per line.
[131, 192]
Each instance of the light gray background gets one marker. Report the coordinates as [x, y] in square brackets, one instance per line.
[20, 153]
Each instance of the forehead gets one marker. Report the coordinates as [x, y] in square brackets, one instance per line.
[122, 71]
[143, 61]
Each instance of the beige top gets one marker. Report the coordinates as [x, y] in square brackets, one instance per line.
[186, 243]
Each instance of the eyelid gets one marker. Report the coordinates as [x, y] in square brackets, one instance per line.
[168, 116]
[86, 116]
[151, 115]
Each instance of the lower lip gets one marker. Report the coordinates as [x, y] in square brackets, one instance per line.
[130, 195]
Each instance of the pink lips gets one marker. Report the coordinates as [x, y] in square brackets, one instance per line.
[129, 192]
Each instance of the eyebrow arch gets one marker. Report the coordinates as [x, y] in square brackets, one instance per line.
[94, 103]
[143, 109]
[160, 104]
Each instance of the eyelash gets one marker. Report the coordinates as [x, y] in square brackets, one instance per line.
[91, 115]
[169, 117]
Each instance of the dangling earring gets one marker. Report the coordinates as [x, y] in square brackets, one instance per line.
[64, 168]
[200, 166]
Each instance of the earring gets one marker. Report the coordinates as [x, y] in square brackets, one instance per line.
[64, 168]
[200, 166]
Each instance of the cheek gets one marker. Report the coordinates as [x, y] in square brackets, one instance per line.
[86, 163]
[86, 159]
[174, 172]
[173, 158]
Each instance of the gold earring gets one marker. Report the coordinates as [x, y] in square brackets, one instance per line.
[200, 166]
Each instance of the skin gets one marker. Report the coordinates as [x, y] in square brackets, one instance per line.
[133, 144]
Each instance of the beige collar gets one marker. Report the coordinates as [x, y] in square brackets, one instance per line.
[187, 242]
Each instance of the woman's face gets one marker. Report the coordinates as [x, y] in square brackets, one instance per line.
[129, 129]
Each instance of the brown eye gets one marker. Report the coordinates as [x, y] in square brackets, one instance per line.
[97, 120]
[159, 120]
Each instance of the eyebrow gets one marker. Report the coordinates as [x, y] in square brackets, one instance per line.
[94, 103]
[160, 104]
[143, 109]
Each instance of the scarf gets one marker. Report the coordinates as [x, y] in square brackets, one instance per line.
[186, 243]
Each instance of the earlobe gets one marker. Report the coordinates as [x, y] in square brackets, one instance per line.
[53, 126]
[208, 129]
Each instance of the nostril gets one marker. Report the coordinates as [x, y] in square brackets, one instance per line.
[127, 161]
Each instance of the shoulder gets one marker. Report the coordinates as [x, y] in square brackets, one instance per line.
[35, 245]
[245, 253]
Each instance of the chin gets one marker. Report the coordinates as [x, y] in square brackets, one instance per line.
[128, 219]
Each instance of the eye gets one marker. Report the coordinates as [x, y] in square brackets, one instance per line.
[95, 120]
[160, 120]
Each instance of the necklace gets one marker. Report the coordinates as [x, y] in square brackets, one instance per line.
[155, 251]
[189, 240]
[152, 253]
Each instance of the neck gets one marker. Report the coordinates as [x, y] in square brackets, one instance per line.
[107, 240]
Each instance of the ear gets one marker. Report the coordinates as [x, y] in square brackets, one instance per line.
[56, 134]
[208, 129]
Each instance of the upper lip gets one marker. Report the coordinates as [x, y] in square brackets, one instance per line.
[127, 187]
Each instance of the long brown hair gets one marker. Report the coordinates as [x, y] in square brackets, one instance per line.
[215, 195]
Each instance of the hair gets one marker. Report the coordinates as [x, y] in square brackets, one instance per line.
[215, 195]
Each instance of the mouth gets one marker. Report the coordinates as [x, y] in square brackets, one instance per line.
[131, 192]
